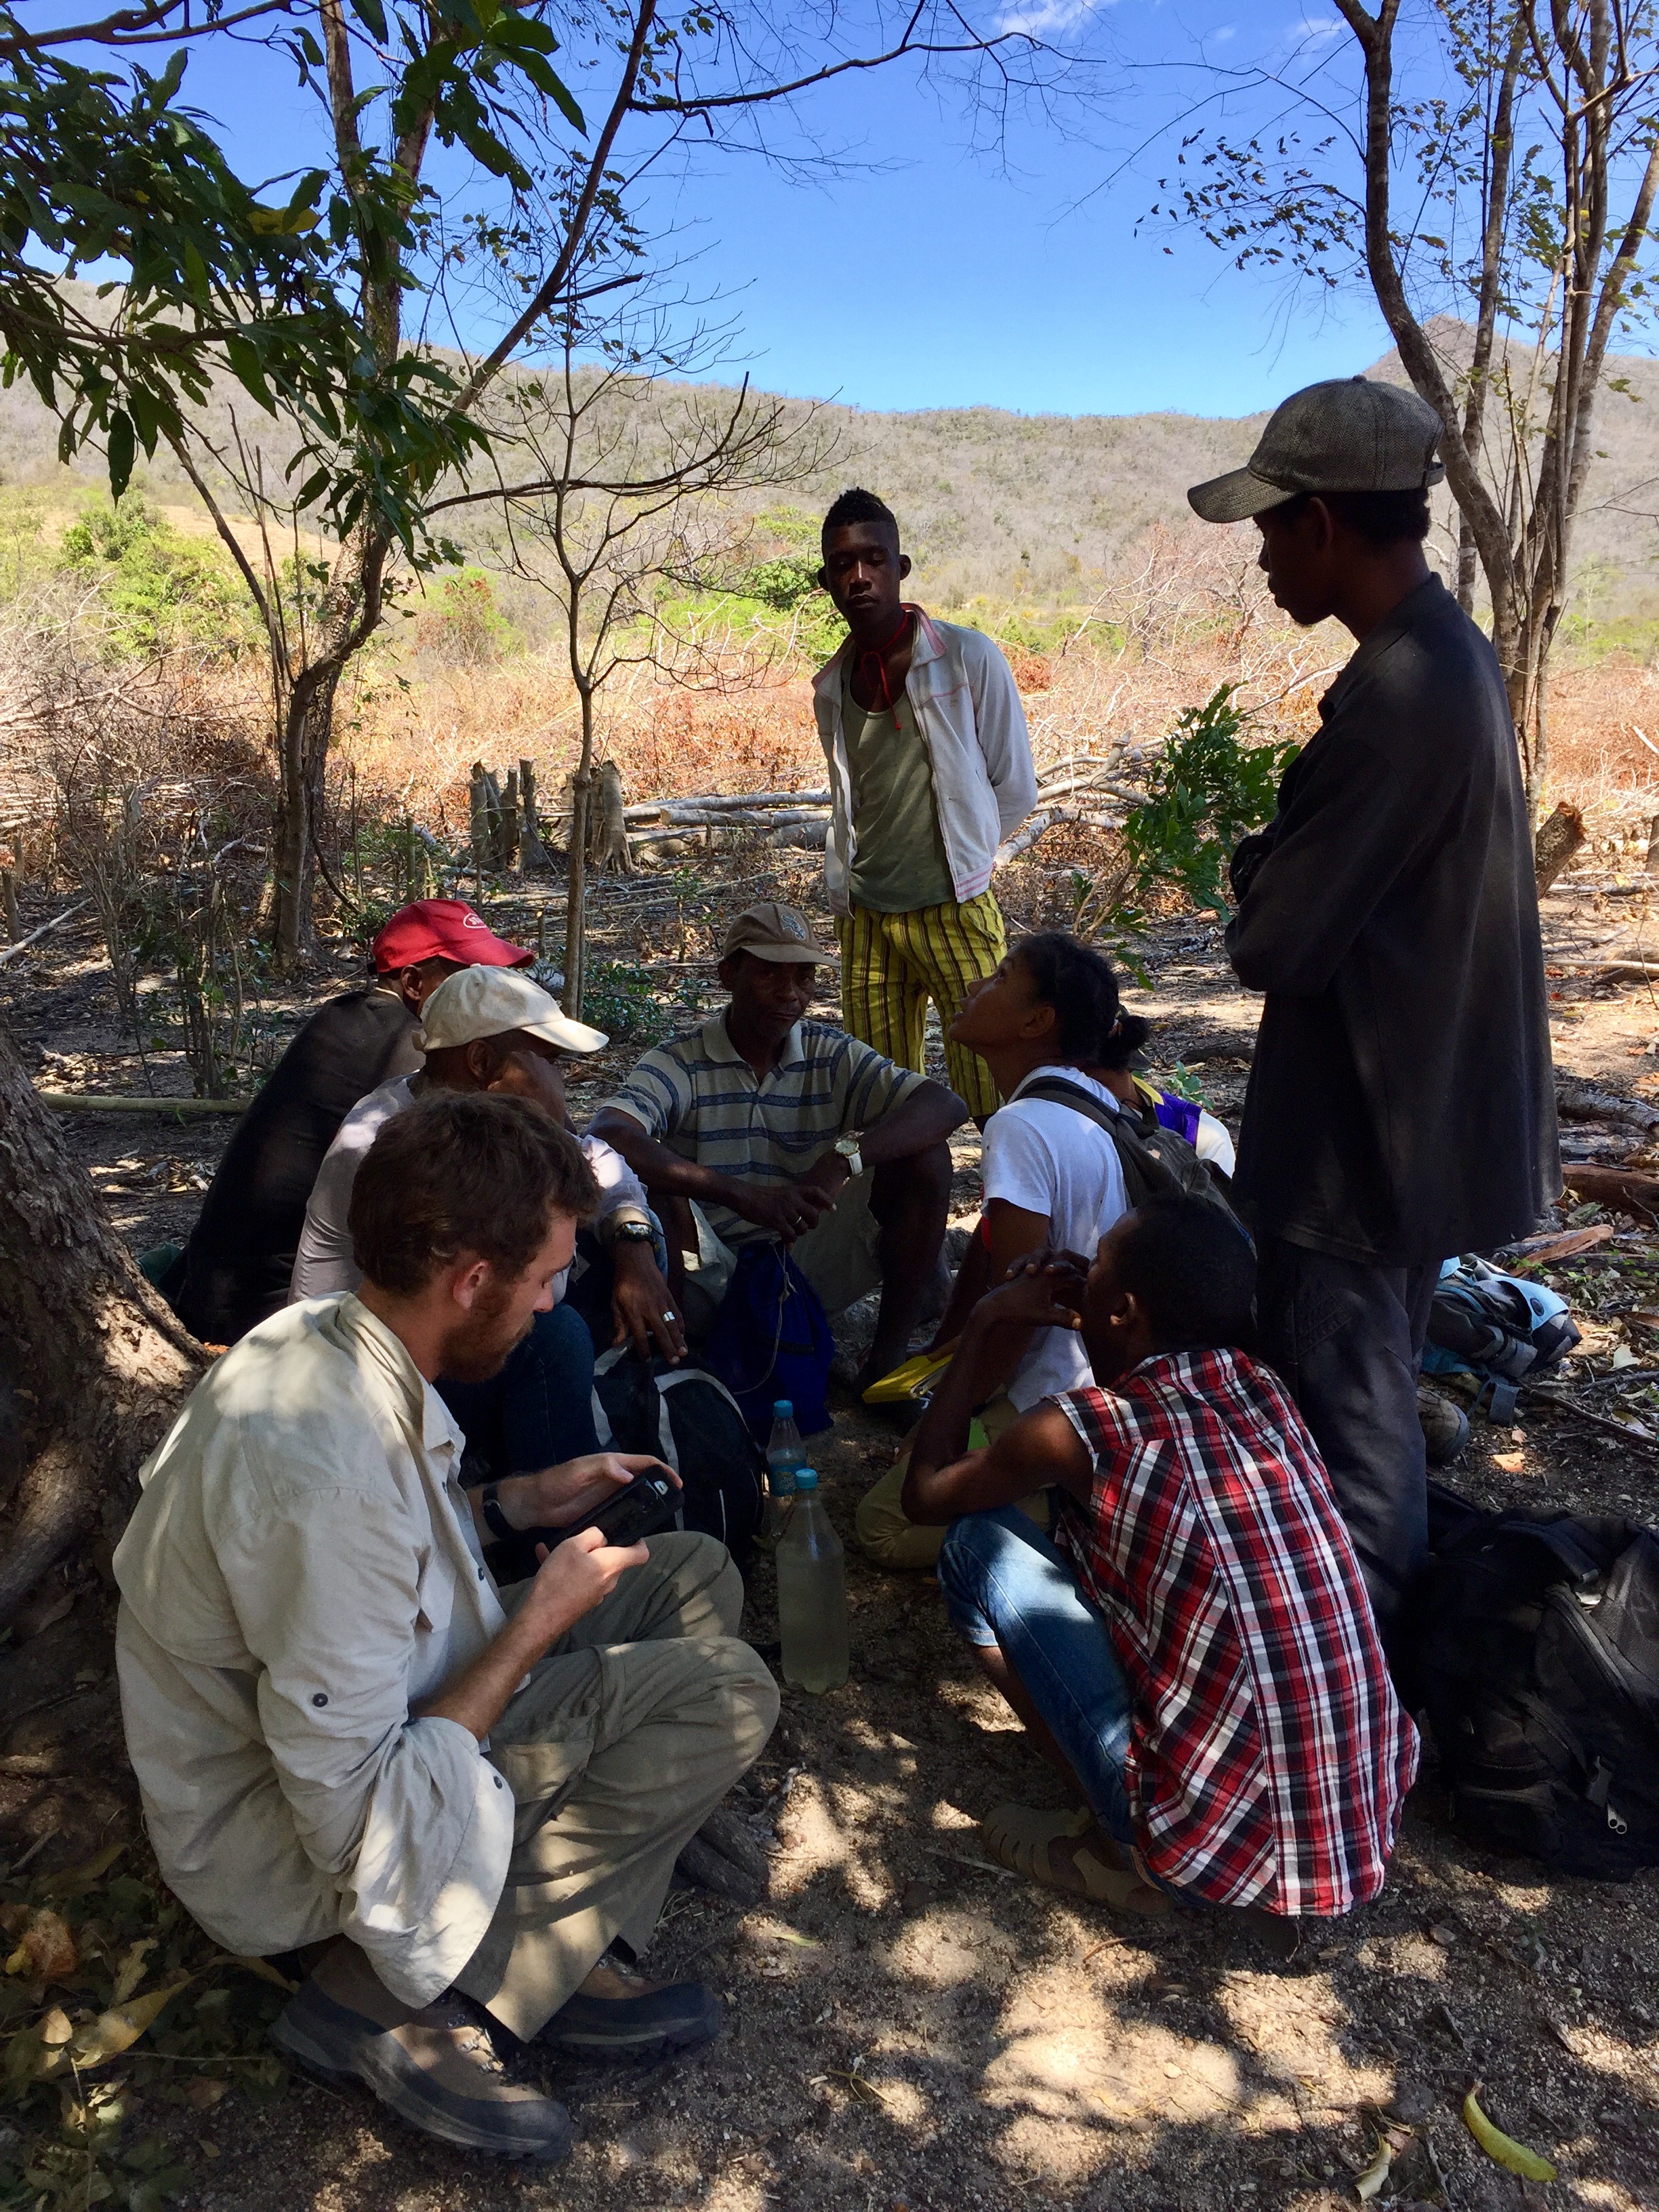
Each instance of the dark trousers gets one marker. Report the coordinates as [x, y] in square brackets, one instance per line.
[1346, 1339]
[539, 1411]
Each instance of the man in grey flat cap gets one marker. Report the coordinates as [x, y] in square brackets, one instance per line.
[1401, 1106]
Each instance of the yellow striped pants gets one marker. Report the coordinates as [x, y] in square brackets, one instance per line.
[891, 964]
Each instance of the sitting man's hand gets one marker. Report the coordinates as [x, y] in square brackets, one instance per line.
[788, 1209]
[642, 1304]
[531, 1075]
[563, 1496]
[826, 1180]
[574, 1578]
[1042, 1290]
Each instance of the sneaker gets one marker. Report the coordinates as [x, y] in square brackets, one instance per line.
[613, 2019]
[439, 2071]
[1445, 1424]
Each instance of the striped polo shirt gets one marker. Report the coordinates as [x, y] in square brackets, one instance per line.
[699, 1097]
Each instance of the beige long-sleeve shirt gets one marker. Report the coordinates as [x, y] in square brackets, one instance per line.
[301, 1572]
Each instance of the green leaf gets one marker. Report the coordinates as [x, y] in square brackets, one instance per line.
[121, 448]
[372, 16]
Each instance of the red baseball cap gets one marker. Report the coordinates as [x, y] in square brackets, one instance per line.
[443, 929]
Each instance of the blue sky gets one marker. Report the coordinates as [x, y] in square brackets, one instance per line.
[941, 277]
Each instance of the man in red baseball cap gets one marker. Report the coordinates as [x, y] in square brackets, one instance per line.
[236, 1268]
[441, 929]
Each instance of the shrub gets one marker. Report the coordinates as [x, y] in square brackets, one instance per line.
[160, 590]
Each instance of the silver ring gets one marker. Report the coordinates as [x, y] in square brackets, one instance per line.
[668, 1313]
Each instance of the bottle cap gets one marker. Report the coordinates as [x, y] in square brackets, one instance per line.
[807, 1478]
[783, 1409]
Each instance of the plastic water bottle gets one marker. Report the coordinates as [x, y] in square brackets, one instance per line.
[784, 1453]
[813, 1593]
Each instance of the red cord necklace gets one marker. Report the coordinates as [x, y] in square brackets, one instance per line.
[870, 661]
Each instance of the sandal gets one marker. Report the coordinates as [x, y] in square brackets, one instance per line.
[1032, 1844]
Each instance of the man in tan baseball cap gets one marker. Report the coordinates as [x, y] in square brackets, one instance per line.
[784, 1130]
[1402, 1105]
[781, 934]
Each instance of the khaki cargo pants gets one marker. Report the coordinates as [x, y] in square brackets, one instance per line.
[621, 1743]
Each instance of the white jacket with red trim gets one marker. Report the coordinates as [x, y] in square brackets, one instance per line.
[968, 710]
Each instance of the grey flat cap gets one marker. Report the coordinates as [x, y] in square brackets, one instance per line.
[1347, 435]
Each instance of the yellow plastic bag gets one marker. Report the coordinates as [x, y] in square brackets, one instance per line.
[910, 1381]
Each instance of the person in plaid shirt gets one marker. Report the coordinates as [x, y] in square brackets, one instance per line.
[1196, 1651]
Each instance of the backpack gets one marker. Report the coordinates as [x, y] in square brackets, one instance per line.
[771, 1340]
[689, 1419]
[1497, 1327]
[1155, 1161]
[1531, 1641]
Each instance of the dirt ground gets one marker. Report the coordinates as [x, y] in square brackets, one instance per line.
[913, 2030]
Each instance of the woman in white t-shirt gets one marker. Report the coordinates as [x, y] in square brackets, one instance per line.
[1051, 1177]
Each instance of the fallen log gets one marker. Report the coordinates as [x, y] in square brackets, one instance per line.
[56, 922]
[1628, 1190]
[1565, 1245]
[105, 1102]
[1581, 1101]
[1025, 837]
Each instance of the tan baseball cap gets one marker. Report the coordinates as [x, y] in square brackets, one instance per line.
[1347, 435]
[487, 1002]
[771, 931]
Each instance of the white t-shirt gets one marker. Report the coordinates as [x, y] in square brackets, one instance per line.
[1051, 1159]
[324, 1263]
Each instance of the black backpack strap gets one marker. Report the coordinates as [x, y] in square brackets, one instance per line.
[1139, 1163]
[1568, 1541]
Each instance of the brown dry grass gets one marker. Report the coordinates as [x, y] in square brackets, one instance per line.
[1188, 613]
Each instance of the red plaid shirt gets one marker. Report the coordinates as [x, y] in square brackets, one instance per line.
[1268, 1755]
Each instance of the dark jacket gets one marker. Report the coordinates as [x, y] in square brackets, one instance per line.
[1402, 1105]
[240, 1253]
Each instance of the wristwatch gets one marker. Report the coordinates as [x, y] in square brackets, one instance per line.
[496, 1521]
[633, 1232]
[848, 1149]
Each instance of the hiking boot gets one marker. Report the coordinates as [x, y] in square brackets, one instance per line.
[438, 2071]
[1070, 1851]
[613, 2019]
[1446, 1425]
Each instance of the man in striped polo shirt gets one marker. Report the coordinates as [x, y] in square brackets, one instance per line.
[785, 1130]
[930, 769]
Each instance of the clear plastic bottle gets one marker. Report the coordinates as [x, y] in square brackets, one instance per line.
[785, 1454]
[813, 1593]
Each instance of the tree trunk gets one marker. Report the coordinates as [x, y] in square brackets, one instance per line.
[575, 940]
[610, 848]
[533, 852]
[293, 858]
[107, 1362]
[1558, 839]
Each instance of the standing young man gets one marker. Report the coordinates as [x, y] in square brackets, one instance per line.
[1402, 1105]
[930, 769]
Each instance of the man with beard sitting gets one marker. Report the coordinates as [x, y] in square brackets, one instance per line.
[347, 1747]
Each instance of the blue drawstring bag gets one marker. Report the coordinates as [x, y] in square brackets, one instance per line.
[771, 1340]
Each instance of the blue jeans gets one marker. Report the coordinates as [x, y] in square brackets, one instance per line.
[539, 1411]
[1005, 1584]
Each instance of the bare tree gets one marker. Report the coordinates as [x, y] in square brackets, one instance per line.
[562, 238]
[627, 496]
[1504, 173]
